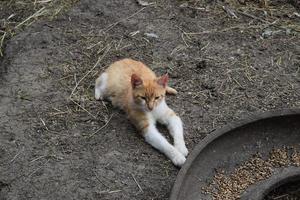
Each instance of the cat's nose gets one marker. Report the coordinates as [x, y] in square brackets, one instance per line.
[150, 107]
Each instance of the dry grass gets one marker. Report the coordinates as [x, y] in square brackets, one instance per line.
[269, 13]
[26, 12]
[76, 78]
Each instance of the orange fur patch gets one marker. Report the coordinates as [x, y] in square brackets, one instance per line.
[123, 87]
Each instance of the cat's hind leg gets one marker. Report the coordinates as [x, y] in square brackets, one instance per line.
[170, 90]
[100, 86]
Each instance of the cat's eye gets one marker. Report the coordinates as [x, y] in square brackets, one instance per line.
[156, 98]
[144, 98]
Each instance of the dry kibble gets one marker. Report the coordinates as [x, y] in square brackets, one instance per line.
[231, 186]
[279, 157]
[296, 158]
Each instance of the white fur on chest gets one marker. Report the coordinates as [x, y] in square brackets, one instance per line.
[160, 113]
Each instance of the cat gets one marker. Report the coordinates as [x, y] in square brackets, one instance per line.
[133, 87]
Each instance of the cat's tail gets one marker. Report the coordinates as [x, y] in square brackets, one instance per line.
[170, 90]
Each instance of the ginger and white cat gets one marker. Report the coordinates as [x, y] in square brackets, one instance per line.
[133, 87]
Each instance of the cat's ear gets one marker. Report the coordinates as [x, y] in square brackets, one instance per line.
[136, 81]
[163, 80]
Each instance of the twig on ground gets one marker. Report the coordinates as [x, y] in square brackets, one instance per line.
[101, 127]
[83, 108]
[205, 46]
[267, 22]
[36, 14]
[110, 192]
[229, 12]
[43, 122]
[140, 188]
[144, 3]
[103, 103]
[254, 17]
[37, 169]
[182, 36]
[101, 180]
[280, 197]
[59, 112]
[38, 158]
[12, 160]
[116, 23]
[1, 43]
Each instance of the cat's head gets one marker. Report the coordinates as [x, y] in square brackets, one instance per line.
[149, 93]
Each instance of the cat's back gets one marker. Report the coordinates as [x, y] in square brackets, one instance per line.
[126, 67]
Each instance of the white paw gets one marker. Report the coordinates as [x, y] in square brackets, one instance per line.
[182, 149]
[180, 146]
[98, 94]
[178, 159]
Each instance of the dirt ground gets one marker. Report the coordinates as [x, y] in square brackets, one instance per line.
[57, 142]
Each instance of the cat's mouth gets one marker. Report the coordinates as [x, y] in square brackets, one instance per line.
[149, 108]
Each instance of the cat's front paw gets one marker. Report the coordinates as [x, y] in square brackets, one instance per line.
[182, 149]
[178, 159]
